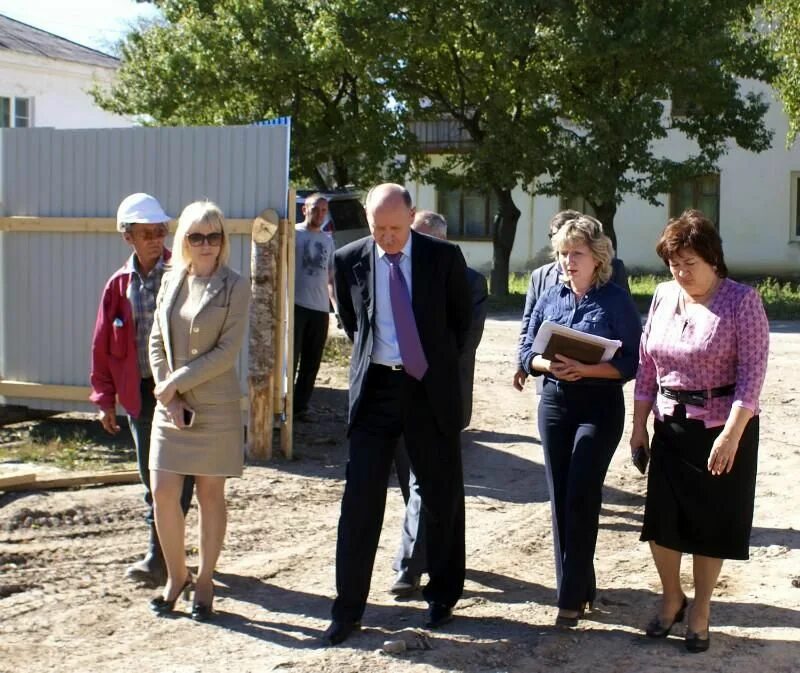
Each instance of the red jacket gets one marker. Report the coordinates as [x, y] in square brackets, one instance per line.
[115, 363]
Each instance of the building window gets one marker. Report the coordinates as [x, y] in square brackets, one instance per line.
[577, 203]
[469, 214]
[15, 112]
[795, 205]
[700, 193]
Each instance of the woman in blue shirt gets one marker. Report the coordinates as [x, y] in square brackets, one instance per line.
[581, 409]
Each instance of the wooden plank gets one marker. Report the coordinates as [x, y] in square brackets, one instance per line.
[44, 391]
[45, 483]
[287, 434]
[14, 479]
[106, 225]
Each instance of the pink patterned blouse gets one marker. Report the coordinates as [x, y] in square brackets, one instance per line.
[726, 343]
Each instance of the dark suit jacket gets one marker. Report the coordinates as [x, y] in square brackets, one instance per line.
[479, 292]
[442, 310]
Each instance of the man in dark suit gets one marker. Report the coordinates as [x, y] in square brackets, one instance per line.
[410, 561]
[403, 299]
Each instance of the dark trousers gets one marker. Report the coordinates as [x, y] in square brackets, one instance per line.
[394, 404]
[411, 554]
[310, 333]
[140, 430]
[580, 426]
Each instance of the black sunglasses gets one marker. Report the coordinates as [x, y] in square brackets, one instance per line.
[214, 239]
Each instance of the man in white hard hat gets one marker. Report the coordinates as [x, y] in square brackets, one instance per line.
[120, 364]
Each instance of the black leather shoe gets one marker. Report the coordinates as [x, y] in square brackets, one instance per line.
[438, 615]
[405, 584]
[657, 629]
[338, 632]
[695, 644]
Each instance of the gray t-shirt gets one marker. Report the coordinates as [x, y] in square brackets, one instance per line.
[313, 268]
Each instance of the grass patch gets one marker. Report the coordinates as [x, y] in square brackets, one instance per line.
[337, 350]
[69, 445]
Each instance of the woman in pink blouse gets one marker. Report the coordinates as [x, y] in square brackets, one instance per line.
[702, 362]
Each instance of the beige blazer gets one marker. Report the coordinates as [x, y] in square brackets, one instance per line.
[215, 337]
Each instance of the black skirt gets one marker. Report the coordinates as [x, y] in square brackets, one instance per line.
[687, 508]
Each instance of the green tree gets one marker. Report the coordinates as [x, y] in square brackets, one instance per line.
[481, 64]
[240, 61]
[570, 98]
[783, 28]
[619, 64]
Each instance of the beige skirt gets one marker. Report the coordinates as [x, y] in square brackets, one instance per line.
[213, 446]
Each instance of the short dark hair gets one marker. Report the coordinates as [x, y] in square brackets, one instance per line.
[692, 230]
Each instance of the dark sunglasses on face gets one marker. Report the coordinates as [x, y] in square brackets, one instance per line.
[214, 239]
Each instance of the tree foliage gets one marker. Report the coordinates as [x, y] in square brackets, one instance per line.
[241, 61]
[623, 67]
[783, 17]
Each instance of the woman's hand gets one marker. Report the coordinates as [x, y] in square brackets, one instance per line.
[723, 453]
[639, 437]
[175, 412]
[165, 392]
[567, 369]
[519, 378]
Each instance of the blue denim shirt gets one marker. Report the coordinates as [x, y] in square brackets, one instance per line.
[607, 311]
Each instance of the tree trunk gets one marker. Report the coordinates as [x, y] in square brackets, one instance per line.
[606, 213]
[503, 232]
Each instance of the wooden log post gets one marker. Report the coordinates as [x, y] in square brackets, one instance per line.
[261, 358]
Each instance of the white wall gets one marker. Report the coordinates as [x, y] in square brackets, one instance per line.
[59, 90]
[755, 210]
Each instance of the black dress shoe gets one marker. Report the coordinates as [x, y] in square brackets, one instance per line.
[338, 632]
[657, 629]
[405, 584]
[695, 644]
[438, 615]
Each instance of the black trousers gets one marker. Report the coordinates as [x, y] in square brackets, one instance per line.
[310, 333]
[412, 553]
[140, 431]
[395, 404]
[580, 426]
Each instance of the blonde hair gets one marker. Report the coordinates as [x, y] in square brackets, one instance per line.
[199, 213]
[588, 230]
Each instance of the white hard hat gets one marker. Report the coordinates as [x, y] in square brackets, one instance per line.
[140, 208]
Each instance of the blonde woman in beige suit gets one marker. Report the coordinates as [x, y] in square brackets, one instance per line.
[199, 325]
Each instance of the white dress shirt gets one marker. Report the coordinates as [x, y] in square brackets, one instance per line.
[385, 348]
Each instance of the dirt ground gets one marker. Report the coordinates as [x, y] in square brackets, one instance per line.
[65, 606]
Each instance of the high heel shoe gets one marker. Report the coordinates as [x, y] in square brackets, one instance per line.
[694, 643]
[570, 622]
[202, 612]
[163, 606]
[657, 629]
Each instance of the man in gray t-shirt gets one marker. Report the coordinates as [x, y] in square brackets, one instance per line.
[313, 296]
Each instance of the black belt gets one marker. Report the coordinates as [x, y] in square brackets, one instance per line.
[391, 368]
[697, 398]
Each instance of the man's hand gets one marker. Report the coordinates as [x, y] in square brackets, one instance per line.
[108, 419]
[165, 392]
[520, 376]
